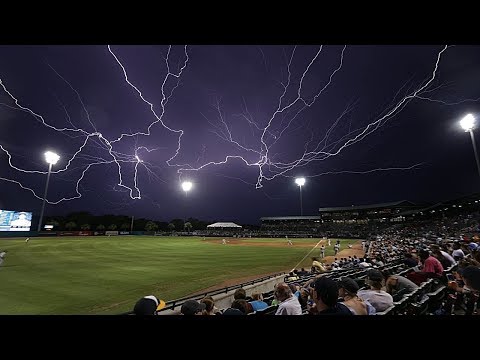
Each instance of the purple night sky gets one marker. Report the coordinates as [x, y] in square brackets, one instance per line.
[223, 99]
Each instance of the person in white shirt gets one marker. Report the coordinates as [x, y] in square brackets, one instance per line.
[457, 253]
[3, 254]
[224, 242]
[289, 304]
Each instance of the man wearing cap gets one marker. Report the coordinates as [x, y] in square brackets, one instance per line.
[325, 297]
[192, 307]
[148, 305]
[347, 290]
[379, 299]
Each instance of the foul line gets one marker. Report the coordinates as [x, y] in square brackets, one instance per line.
[307, 255]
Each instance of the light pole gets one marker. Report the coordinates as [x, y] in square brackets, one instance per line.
[186, 186]
[51, 158]
[468, 124]
[300, 181]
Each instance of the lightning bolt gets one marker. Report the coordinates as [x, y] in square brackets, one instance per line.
[287, 112]
[96, 139]
[282, 121]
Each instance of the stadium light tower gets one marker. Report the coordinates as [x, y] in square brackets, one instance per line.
[468, 124]
[51, 158]
[186, 186]
[300, 181]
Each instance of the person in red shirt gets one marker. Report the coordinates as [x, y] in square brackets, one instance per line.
[430, 263]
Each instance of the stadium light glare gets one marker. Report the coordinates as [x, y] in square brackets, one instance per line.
[468, 122]
[51, 157]
[187, 186]
[300, 181]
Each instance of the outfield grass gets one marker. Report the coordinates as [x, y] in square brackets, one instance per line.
[107, 275]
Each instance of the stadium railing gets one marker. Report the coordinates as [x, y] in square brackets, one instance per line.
[173, 304]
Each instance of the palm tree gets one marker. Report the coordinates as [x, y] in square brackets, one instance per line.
[171, 226]
[112, 227]
[125, 226]
[188, 226]
[101, 227]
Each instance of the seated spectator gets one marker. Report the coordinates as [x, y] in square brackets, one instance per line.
[379, 299]
[448, 259]
[364, 264]
[291, 277]
[288, 303]
[431, 265]
[258, 303]
[210, 308]
[242, 305]
[437, 254]
[471, 277]
[325, 297]
[240, 294]
[457, 253]
[302, 272]
[231, 311]
[192, 307]
[148, 305]
[398, 285]
[317, 266]
[347, 290]
[410, 261]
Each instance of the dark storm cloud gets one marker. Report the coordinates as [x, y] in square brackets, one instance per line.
[235, 79]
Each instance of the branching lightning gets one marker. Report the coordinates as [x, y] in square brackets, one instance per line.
[266, 156]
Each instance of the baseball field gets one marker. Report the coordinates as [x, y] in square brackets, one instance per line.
[107, 275]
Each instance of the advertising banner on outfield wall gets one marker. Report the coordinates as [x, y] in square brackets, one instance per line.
[85, 233]
[124, 232]
[111, 233]
[99, 233]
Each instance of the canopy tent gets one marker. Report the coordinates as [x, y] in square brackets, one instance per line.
[223, 225]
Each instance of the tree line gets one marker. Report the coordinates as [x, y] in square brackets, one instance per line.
[85, 221]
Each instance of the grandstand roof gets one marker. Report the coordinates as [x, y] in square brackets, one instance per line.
[284, 218]
[365, 207]
[223, 225]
